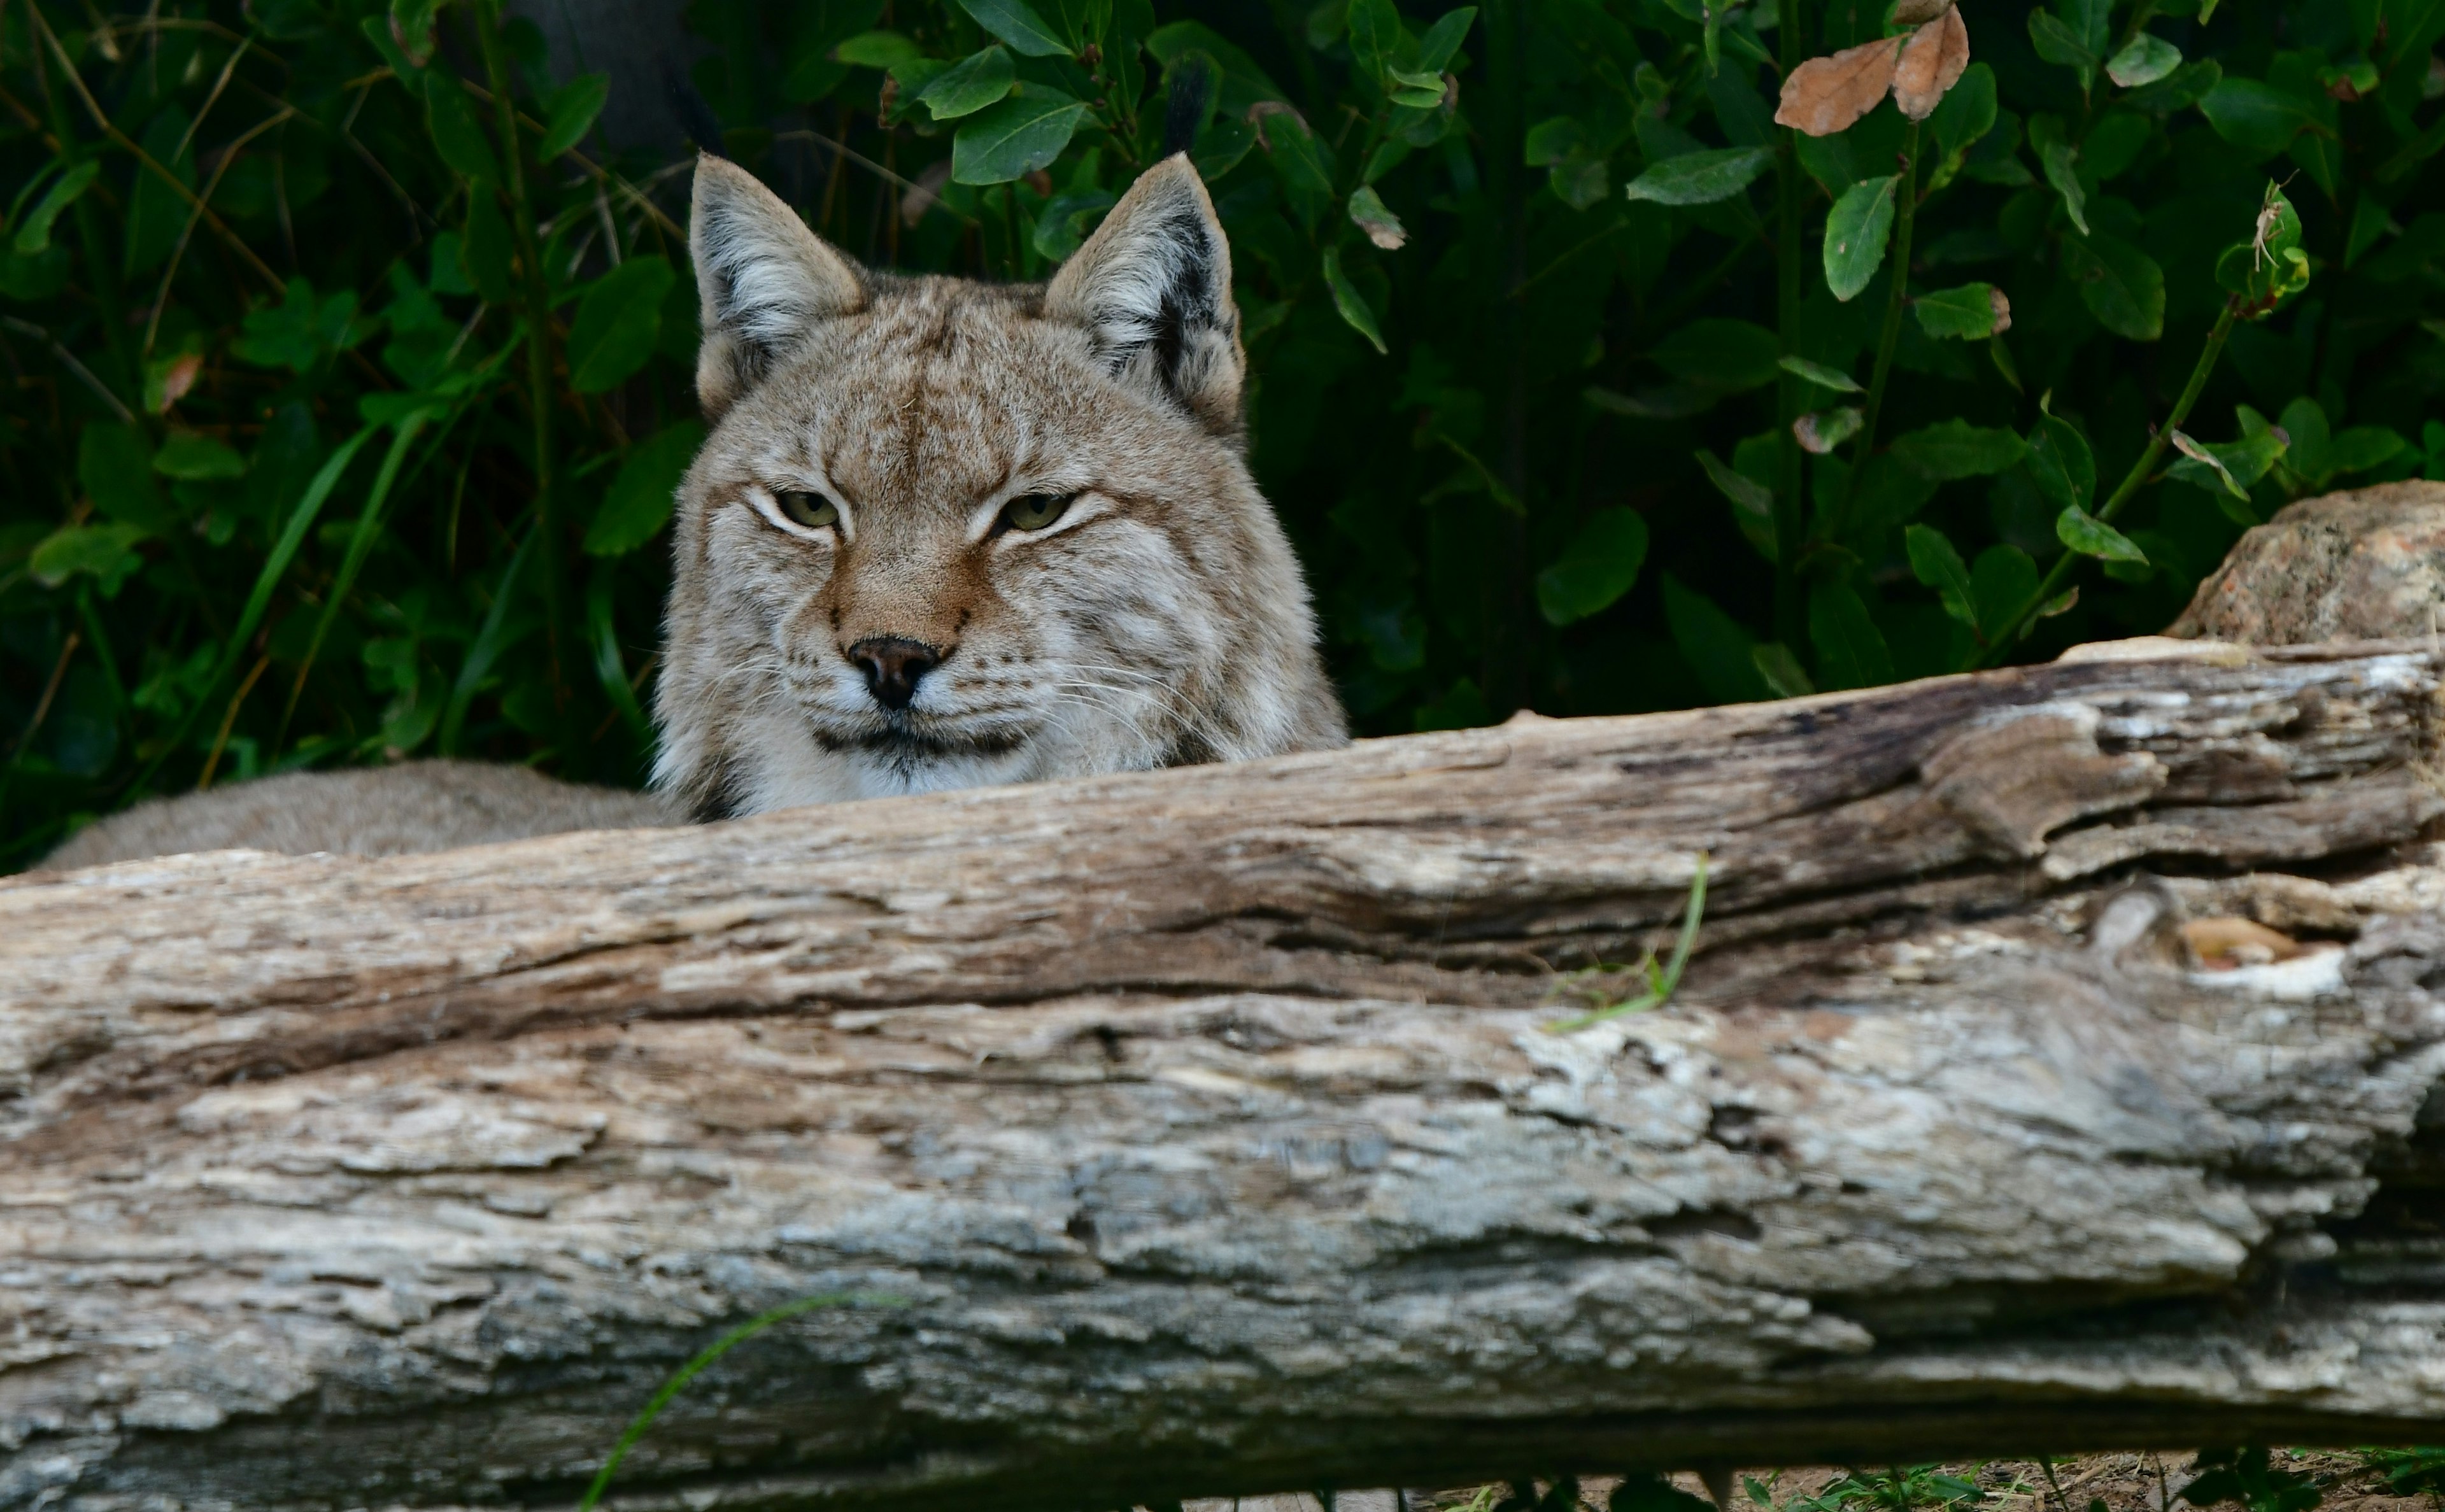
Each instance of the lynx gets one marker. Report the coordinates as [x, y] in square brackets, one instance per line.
[943, 534]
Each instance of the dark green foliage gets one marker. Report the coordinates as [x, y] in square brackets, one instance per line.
[2246, 1476]
[372, 456]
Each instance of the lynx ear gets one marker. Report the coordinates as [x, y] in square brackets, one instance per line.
[1153, 288]
[765, 279]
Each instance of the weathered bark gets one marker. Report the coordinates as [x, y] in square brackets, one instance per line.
[1209, 1130]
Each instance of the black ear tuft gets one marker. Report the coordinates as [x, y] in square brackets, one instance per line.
[766, 281]
[1152, 287]
[1187, 92]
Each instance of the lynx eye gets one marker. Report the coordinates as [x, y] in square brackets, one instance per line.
[1035, 511]
[812, 510]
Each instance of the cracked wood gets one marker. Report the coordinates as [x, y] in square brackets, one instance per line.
[1205, 1131]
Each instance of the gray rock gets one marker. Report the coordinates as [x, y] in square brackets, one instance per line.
[2366, 563]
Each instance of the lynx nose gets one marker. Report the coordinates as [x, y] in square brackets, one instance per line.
[893, 666]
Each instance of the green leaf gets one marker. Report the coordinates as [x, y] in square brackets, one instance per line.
[1550, 142]
[1851, 652]
[1701, 177]
[2005, 579]
[2257, 117]
[2060, 462]
[1890, 491]
[1300, 165]
[1014, 138]
[103, 552]
[195, 457]
[2179, 91]
[1746, 493]
[289, 333]
[2056, 156]
[115, 469]
[1598, 567]
[1243, 83]
[1935, 562]
[2228, 470]
[1855, 233]
[1369, 212]
[2270, 266]
[616, 323]
[484, 251]
[1062, 225]
[643, 496]
[970, 85]
[1970, 312]
[2362, 447]
[1820, 431]
[1729, 355]
[1966, 112]
[1347, 300]
[1442, 41]
[1717, 649]
[571, 113]
[1956, 449]
[451, 120]
[2209, 463]
[2090, 537]
[878, 49]
[1822, 376]
[2143, 60]
[34, 231]
[1017, 22]
[1581, 182]
[2057, 43]
[1375, 37]
[2369, 223]
[2122, 285]
[2310, 444]
[1786, 678]
[1752, 502]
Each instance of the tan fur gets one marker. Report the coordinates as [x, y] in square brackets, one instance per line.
[1162, 619]
[416, 806]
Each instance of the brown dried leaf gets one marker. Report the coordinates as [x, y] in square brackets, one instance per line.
[176, 380]
[1918, 12]
[2224, 944]
[1930, 63]
[2003, 311]
[1824, 95]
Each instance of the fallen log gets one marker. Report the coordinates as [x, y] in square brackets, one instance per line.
[1211, 1130]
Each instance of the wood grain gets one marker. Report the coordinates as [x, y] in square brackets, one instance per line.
[1207, 1131]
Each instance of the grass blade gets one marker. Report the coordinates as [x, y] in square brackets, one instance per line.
[696, 1367]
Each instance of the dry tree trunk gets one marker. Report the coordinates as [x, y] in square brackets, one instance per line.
[1207, 1131]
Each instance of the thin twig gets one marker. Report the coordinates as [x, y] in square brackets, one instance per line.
[101, 119]
[211, 99]
[864, 162]
[177, 253]
[68, 358]
[42, 706]
[2010, 634]
[229, 719]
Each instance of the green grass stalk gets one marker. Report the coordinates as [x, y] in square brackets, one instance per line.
[2211, 350]
[698, 1366]
[535, 298]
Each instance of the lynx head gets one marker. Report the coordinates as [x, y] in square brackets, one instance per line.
[948, 533]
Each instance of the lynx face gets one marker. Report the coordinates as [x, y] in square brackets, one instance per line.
[948, 533]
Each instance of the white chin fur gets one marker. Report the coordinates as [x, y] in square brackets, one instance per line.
[781, 766]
